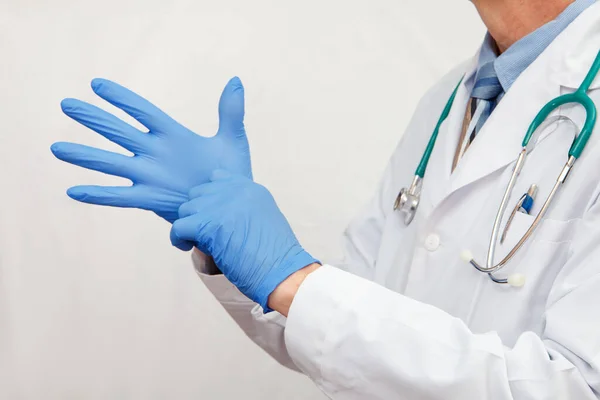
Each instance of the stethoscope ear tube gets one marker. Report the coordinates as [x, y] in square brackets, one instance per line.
[491, 268]
[579, 97]
[502, 209]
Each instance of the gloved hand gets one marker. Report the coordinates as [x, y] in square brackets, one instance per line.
[168, 161]
[238, 223]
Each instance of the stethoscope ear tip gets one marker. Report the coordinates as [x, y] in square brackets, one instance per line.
[466, 256]
[514, 280]
[517, 280]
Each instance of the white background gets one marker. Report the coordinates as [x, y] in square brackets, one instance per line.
[94, 303]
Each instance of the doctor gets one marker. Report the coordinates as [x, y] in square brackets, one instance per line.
[403, 316]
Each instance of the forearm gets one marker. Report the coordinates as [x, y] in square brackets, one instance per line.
[282, 297]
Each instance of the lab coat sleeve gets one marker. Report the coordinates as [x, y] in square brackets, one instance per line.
[358, 340]
[266, 330]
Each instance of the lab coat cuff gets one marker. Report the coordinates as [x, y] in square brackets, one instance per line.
[223, 290]
[320, 301]
[204, 264]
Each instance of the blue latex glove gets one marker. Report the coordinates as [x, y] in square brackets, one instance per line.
[238, 223]
[168, 160]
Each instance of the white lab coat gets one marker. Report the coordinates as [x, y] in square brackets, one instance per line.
[409, 319]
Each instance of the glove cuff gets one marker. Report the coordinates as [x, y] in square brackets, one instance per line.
[296, 259]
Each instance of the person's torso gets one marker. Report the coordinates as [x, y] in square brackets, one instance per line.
[457, 209]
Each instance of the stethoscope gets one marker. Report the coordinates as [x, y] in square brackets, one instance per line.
[408, 199]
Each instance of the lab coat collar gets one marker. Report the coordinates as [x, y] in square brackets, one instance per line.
[570, 70]
[500, 140]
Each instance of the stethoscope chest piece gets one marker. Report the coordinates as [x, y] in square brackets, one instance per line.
[407, 201]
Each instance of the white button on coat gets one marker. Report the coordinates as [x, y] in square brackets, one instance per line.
[432, 242]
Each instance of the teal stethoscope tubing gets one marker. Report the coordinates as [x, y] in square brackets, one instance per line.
[429, 149]
[581, 97]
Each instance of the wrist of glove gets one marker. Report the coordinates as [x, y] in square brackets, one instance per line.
[295, 259]
[239, 224]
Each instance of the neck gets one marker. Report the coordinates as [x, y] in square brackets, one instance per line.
[510, 20]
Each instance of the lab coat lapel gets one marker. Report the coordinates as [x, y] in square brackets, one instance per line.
[500, 140]
[440, 164]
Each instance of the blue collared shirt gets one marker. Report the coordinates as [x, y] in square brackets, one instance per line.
[510, 64]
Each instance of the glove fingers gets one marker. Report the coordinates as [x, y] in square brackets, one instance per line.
[115, 196]
[200, 191]
[217, 178]
[196, 205]
[139, 108]
[231, 109]
[136, 196]
[187, 230]
[226, 177]
[105, 124]
[207, 198]
[96, 159]
[182, 245]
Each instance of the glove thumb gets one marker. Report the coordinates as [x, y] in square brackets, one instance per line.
[231, 109]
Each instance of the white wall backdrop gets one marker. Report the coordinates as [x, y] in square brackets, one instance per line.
[94, 303]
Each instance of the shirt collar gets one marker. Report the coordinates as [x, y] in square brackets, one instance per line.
[510, 64]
